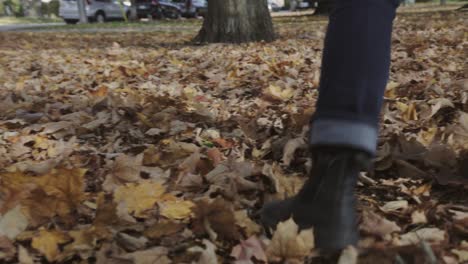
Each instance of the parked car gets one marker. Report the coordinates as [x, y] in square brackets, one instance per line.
[157, 9]
[96, 10]
[190, 8]
[273, 7]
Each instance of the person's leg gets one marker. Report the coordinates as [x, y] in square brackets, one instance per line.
[344, 128]
[355, 67]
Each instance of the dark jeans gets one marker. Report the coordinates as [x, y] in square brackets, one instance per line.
[355, 66]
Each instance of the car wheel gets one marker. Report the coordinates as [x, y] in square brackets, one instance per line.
[174, 14]
[71, 21]
[100, 17]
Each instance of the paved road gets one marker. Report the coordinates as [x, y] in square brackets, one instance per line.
[23, 27]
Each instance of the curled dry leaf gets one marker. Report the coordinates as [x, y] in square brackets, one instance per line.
[349, 255]
[418, 217]
[394, 206]
[248, 249]
[290, 148]
[430, 235]
[208, 254]
[288, 243]
[373, 223]
[13, 223]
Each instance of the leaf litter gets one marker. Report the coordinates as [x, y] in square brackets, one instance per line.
[136, 148]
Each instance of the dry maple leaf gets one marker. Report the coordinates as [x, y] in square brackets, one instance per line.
[290, 244]
[126, 169]
[47, 242]
[176, 209]
[137, 198]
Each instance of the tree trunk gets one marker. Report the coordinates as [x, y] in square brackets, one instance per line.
[133, 11]
[82, 11]
[324, 7]
[443, 2]
[236, 21]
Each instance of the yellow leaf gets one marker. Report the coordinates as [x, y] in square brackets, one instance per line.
[390, 90]
[289, 243]
[177, 209]
[279, 93]
[426, 137]
[56, 193]
[46, 242]
[243, 220]
[138, 198]
[461, 254]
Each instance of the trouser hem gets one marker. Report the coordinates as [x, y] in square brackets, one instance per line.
[344, 133]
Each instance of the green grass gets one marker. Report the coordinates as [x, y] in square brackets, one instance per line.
[27, 20]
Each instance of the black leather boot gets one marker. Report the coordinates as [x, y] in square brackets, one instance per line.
[326, 202]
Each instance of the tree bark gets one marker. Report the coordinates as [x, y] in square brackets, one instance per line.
[133, 11]
[82, 11]
[324, 7]
[236, 21]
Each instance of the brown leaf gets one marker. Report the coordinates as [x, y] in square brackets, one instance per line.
[161, 229]
[215, 217]
[431, 235]
[374, 224]
[7, 249]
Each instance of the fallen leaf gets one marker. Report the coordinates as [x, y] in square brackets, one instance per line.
[288, 243]
[431, 235]
[13, 223]
[177, 209]
[216, 218]
[164, 228]
[47, 242]
[248, 249]
[137, 198]
[243, 220]
[208, 254]
[7, 249]
[394, 206]
[155, 255]
[462, 255]
[373, 223]
[23, 256]
[290, 148]
[418, 217]
[349, 255]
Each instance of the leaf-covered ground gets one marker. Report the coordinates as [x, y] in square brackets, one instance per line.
[141, 148]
